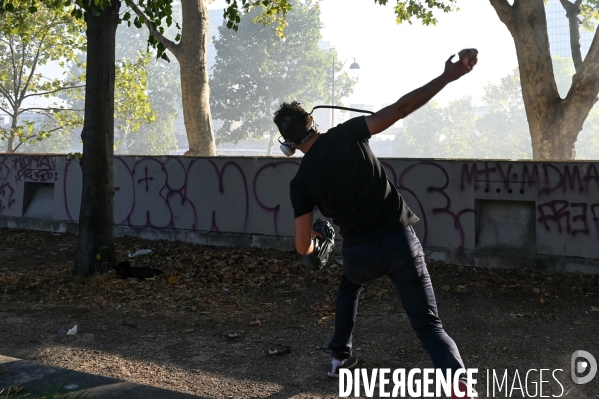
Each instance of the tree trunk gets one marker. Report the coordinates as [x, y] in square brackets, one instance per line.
[10, 143]
[192, 54]
[271, 143]
[554, 122]
[195, 91]
[95, 250]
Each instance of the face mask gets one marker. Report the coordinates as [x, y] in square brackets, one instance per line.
[288, 147]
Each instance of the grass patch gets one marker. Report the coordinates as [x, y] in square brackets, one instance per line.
[54, 393]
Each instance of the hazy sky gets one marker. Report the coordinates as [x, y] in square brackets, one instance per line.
[395, 59]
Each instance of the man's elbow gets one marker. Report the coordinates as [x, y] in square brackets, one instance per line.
[302, 248]
[302, 251]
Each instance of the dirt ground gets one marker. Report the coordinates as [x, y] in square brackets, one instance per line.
[207, 324]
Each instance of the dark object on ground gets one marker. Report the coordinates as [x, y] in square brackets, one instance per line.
[125, 270]
[322, 246]
[280, 351]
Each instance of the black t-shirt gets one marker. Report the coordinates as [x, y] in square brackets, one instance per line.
[342, 177]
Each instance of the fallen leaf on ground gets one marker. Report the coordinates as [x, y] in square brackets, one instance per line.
[520, 315]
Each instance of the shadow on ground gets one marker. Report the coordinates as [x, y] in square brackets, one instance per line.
[206, 326]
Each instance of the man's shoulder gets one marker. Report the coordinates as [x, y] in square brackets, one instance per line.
[356, 126]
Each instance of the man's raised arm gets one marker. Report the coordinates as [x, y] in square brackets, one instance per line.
[409, 103]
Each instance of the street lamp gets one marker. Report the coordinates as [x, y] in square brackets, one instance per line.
[354, 65]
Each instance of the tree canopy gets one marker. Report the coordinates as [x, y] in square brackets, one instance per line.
[255, 72]
[164, 94]
[28, 42]
[275, 11]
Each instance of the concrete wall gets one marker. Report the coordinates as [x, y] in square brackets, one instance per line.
[486, 213]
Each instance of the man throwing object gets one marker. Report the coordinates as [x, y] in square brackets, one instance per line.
[340, 174]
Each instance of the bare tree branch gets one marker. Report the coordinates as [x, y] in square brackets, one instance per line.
[52, 91]
[573, 15]
[32, 136]
[52, 109]
[35, 61]
[168, 44]
[591, 61]
[585, 82]
[4, 91]
[504, 11]
[14, 68]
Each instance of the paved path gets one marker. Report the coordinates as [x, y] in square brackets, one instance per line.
[36, 377]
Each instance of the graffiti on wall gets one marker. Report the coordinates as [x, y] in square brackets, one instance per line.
[237, 195]
[576, 186]
[191, 194]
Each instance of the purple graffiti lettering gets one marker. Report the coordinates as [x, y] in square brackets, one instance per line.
[6, 188]
[469, 175]
[529, 178]
[146, 179]
[4, 168]
[221, 190]
[595, 211]
[557, 209]
[33, 168]
[152, 197]
[548, 189]
[591, 174]
[505, 177]
[275, 209]
[473, 175]
[581, 217]
[441, 191]
[572, 178]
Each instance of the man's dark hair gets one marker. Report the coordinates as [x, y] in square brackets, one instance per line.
[293, 122]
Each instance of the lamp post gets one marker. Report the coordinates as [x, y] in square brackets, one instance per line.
[354, 65]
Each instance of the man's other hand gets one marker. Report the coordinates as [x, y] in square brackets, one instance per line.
[316, 234]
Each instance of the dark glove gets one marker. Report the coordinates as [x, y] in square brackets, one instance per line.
[325, 228]
[322, 247]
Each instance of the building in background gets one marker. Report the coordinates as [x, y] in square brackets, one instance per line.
[4, 121]
[365, 107]
[558, 30]
[322, 117]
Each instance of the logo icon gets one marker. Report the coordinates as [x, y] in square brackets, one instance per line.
[583, 363]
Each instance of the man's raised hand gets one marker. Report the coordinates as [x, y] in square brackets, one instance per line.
[455, 70]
